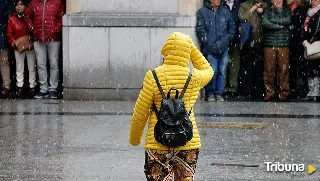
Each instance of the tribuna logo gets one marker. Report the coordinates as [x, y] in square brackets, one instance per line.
[287, 167]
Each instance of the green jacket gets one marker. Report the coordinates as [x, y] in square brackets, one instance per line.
[276, 27]
[255, 18]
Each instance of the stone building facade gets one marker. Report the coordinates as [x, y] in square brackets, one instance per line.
[108, 45]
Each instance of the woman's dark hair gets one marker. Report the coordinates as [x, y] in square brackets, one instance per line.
[17, 1]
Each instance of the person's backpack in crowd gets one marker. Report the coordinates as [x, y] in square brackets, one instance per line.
[173, 127]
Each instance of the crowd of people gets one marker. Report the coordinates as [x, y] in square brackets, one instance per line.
[33, 31]
[257, 48]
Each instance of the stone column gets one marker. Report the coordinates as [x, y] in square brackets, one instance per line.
[189, 7]
[73, 6]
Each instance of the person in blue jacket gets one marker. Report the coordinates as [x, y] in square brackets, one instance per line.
[215, 28]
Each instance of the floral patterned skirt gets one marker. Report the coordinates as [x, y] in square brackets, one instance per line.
[169, 165]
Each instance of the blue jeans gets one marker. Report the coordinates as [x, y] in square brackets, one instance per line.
[219, 65]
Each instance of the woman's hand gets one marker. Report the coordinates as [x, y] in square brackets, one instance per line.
[304, 43]
[134, 142]
[254, 8]
[260, 10]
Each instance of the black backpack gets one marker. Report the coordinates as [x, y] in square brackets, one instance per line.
[173, 127]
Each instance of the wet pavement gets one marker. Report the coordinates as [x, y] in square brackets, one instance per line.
[83, 141]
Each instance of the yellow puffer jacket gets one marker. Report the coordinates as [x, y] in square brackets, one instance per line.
[177, 52]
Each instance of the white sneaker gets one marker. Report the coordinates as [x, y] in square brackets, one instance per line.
[316, 92]
[211, 98]
[311, 87]
[314, 85]
[219, 98]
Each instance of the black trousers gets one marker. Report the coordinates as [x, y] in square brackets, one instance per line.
[313, 68]
[251, 71]
[298, 67]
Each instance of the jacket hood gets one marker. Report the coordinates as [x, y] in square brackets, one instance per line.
[177, 49]
[207, 4]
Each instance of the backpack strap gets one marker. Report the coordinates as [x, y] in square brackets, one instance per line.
[161, 91]
[185, 85]
[185, 88]
[158, 83]
[155, 110]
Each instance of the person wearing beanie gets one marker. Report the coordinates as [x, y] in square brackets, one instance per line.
[177, 51]
[19, 38]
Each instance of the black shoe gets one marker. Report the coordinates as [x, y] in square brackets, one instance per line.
[226, 95]
[53, 95]
[293, 94]
[41, 95]
[240, 98]
[20, 92]
[252, 97]
[32, 93]
[233, 94]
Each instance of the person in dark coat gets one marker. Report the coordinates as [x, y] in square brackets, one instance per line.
[234, 51]
[215, 29]
[252, 59]
[298, 65]
[276, 21]
[311, 34]
[6, 7]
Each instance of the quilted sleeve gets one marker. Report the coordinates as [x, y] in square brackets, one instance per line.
[61, 12]
[231, 27]
[141, 110]
[267, 24]
[10, 32]
[243, 14]
[200, 29]
[201, 65]
[29, 14]
[284, 20]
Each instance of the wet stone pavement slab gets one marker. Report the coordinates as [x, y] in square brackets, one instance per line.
[85, 141]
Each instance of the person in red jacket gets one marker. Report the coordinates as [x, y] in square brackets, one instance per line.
[44, 18]
[16, 31]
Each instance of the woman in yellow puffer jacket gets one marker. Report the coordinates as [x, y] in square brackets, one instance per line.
[160, 163]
